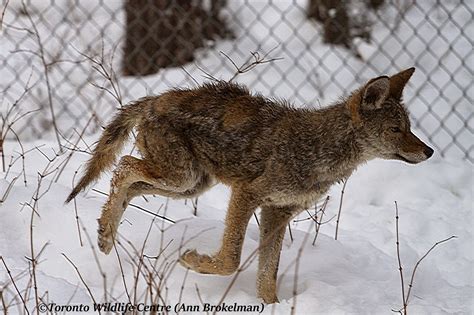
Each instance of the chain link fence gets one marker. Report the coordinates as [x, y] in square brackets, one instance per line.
[67, 65]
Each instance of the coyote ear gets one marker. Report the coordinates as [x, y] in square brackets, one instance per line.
[398, 82]
[375, 92]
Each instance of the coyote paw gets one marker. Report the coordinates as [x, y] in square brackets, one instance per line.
[106, 238]
[205, 263]
[269, 298]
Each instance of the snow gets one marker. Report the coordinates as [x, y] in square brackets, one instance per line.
[356, 274]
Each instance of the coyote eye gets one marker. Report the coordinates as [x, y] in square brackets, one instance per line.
[395, 129]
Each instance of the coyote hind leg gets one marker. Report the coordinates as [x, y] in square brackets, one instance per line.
[273, 222]
[131, 171]
[203, 183]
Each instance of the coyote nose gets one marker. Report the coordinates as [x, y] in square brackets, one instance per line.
[428, 152]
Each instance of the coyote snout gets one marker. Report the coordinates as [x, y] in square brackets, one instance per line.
[273, 156]
[413, 150]
[403, 145]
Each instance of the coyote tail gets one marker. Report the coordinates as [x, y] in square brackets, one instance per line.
[110, 144]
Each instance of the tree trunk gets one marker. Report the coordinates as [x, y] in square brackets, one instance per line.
[339, 26]
[165, 33]
[335, 19]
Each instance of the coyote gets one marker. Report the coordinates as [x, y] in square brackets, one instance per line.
[273, 156]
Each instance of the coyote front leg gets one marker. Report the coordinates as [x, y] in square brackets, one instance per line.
[226, 261]
[273, 222]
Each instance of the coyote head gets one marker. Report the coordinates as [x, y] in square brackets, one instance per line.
[378, 110]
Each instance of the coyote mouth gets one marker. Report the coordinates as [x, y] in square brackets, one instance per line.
[404, 159]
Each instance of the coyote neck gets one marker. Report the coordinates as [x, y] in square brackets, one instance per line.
[339, 144]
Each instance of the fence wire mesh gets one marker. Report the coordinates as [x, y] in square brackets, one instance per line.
[327, 48]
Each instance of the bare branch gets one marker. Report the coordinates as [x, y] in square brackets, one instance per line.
[189, 75]
[139, 208]
[340, 207]
[400, 269]
[410, 285]
[317, 223]
[14, 284]
[42, 56]
[140, 256]
[74, 148]
[405, 298]
[81, 278]
[3, 13]
[254, 60]
[107, 72]
[122, 272]
[295, 279]
[76, 214]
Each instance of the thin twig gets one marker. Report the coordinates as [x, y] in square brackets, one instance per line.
[194, 202]
[256, 219]
[400, 269]
[140, 208]
[3, 14]
[7, 123]
[189, 74]
[295, 279]
[122, 272]
[406, 297]
[317, 223]
[33, 260]
[290, 232]
[75, 146]
[81, 278]
[182, 286]
[254, 60]
[2, 297]
[14, 284]
[207, 75]
[199, 295]
[340, 207]
[108, 74]
[22, 155]
[42, 56]
[76, 213]
[7, 191]
[410, 285]
[97, 261]
[140, 261]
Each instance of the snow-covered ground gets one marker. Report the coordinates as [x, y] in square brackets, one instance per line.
[357, 274]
